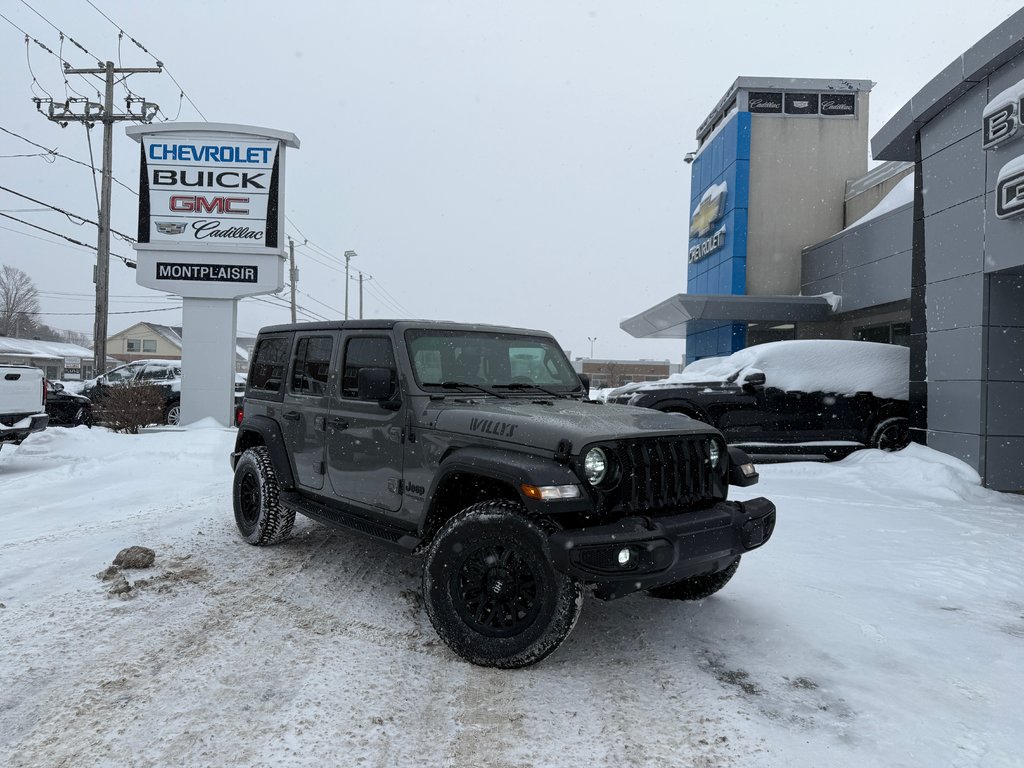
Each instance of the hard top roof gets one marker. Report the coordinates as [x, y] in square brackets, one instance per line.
[387, 325]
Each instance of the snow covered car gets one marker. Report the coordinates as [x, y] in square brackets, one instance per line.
[810, 399]
[66, 409]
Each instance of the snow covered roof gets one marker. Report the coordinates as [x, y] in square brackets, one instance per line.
[42, 349]
[897, 197]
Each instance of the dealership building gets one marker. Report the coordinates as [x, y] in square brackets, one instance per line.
[792, 237]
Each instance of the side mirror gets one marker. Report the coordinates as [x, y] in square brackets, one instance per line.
[585, 381]
[57, 386]
[752, 380]
[374, 384]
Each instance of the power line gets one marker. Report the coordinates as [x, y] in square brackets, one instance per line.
[128, 262]
[55, 153]
[71, 216]
[159, 63]
[124, 312]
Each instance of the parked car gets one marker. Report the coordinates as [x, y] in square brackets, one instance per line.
[811, 399]
[473, 447]
[66, 409]
[164, 374]
[22, 402]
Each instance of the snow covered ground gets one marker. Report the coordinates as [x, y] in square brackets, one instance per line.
[883, 625]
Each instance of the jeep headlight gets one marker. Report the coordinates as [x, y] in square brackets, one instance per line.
[595, 466]
[714, 452]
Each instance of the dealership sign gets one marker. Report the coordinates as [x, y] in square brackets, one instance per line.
[706, 215]
[1001, 124]
[211, 209]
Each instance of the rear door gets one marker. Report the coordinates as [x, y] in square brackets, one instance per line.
[305, 406]
[365, 440]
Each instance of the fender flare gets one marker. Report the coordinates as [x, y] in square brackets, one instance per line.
[511, 467]
[270, 433]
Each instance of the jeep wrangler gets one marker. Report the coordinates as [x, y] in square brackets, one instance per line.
[476, 448]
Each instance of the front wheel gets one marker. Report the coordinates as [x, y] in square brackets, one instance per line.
[491, 591]
[696, 587]
[891, 434]
[259, 514]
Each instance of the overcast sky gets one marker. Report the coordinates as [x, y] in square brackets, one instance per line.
[514, 163]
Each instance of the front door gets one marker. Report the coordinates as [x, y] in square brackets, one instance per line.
[365, 439]
[304, 409]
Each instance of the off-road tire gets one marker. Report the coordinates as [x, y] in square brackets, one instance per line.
[490, 589]
[261, 518]
[696, 587]
[83, 417]
[892, 434]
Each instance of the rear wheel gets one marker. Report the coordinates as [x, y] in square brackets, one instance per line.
[172, 415]
[696, 587]
[261, 518]
[491, 591]
[891, 434]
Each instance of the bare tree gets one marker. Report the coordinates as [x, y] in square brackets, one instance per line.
[19, 302]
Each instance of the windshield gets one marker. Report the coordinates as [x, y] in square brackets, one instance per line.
[490, 359]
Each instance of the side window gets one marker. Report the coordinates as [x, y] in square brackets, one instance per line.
[268, 364]
[149, 345]
[365, 352]
[312, 365]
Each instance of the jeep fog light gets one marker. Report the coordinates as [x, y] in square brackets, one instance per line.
[625, 555]
[595, 466]
[550, 492]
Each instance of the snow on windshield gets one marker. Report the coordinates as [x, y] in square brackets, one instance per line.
[808, 365]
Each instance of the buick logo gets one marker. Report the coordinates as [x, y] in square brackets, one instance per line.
[170, 227]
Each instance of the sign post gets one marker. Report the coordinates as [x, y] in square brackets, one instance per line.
[211, 229]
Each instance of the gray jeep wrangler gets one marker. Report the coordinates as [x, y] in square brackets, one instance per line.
[475, 447]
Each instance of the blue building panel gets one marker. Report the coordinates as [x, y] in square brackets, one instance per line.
[725, 159]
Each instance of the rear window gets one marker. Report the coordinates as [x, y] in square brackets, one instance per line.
[269, 363]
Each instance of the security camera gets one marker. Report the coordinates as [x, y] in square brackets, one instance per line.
[689, 157]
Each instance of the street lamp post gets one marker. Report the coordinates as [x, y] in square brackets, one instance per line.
[591, 339]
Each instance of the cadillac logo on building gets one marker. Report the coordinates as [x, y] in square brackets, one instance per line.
[709, 211]
[169, 227]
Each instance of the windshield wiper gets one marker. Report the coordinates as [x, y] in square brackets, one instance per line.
[464, 384]
[521, 385]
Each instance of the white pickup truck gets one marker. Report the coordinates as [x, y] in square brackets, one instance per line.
[22, 402]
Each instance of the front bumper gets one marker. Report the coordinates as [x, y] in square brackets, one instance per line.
[662, 550]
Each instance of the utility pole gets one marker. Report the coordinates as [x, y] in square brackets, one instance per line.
[349, 255]
[102, 113]
[293, 273]
[360, 295]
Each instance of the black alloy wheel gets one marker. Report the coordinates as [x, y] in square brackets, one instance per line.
[490, 589]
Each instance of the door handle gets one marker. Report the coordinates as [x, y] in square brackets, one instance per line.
[291, 415]
[338, 423]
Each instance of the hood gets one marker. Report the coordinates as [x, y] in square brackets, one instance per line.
[543, 424]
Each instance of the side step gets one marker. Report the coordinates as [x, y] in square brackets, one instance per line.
[393, 536]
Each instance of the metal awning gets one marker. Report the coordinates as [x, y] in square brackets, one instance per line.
[686, 312]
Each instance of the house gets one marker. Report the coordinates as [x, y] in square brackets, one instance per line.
[56, 359]
[151, 341]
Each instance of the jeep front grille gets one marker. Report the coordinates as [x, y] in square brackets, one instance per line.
[661, 475]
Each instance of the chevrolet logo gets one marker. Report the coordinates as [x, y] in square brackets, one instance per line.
[709, 210]
[170, 227]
